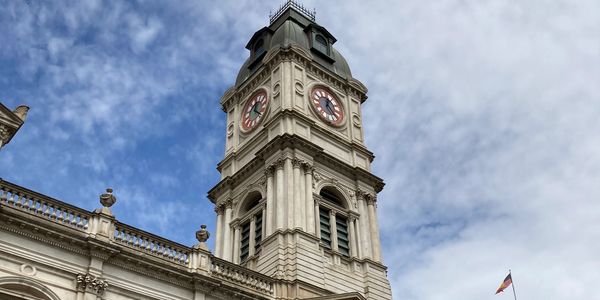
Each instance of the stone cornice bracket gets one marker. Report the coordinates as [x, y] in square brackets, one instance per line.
[87, 282]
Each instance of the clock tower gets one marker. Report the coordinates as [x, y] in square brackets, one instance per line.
[297, 200]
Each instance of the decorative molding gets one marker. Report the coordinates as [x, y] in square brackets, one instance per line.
[88, 282]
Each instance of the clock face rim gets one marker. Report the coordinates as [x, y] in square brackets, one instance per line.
[248, 105]
[317, 107]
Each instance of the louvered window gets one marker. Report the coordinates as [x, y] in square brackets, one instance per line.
[245, 242]
[342, 235]
[321, 44]
[258, 231]
[325, 228]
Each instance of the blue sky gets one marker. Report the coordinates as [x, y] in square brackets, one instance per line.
[484, 117]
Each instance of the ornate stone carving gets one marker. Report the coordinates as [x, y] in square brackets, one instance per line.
[279, 163]
[308, 168]
[297, 163]
[108, 199]
[368, 197]
[262, 181]
[318, 177]
[4, 133]
[229, 203]
[91, 283]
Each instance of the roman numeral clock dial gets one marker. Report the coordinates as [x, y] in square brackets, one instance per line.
[254, 111]
[327, 106]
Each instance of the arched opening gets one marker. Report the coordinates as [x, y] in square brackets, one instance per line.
[24, 288]
[333, 221]
[251, 226]
[333, 196]
[251, 201]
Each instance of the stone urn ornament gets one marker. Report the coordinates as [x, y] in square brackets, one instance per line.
[202, 236]
[108, 199]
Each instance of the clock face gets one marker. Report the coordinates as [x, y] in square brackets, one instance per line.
[327, 106]
[254, 111]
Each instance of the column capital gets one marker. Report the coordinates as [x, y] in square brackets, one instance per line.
[228, 203]
[279, 163]
[297, 163]
[308, 168]
[219, 208]
[371, 199]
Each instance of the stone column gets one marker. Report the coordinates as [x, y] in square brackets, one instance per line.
[317, 220]
[298, 207]
[310, 212]
[352, 237]
[236, 244]
[264, 222]
[280, 198]
[268, 228]
[252, 236]
[358, 239]
[374, 228]
[363, 224]
[289, 193]
[219, 231]
[333, 229]
[226, 255]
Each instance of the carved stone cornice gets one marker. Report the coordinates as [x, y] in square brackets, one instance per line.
[293, 141]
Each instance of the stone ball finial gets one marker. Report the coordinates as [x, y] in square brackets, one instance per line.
[108, 199]
[202, 235]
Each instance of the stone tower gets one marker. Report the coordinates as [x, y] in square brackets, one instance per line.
[297, 199]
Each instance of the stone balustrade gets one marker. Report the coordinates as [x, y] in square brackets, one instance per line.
[231, 272]
[101, 224]
[43, 206]
[151, 244]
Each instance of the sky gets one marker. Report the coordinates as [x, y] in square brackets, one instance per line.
[484, 117]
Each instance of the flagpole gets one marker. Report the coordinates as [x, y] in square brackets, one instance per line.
[513, 284]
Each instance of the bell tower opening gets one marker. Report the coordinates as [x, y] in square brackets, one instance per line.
[297, 198]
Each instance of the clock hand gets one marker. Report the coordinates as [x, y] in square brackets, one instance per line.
[329, 108]
[256, 111]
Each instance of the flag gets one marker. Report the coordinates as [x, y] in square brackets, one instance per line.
[506, 283]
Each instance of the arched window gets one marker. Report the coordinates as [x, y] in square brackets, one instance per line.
[251, 225]
[321, 44]
[333, 221]
[24, 288]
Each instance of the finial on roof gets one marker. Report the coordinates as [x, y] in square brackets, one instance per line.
[108, 199]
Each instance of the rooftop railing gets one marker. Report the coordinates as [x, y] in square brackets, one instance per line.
[43, 206]
[296, 6]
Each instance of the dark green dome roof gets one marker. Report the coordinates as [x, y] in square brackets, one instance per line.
[293, 29]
